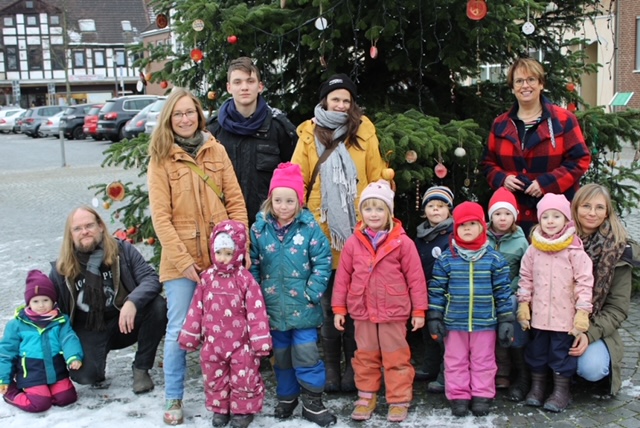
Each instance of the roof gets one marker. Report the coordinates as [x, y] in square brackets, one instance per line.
[107, 15]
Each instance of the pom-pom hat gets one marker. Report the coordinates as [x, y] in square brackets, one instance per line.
[551, 201]
[288, 175]
[338, 81]
[438, 193]
[378, 190]
[39, 284]
[502, 198]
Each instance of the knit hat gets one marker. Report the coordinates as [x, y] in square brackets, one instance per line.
[39, 284]
[288, 175]
[438, 193]
[502, 198]
[223, 240]
[338, 81]
[378, 190]
[551, 201]
[463, 213]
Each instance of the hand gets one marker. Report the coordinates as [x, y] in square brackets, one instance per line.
[524, 316]
[75, 365]
[191, 273]
[511, 183]
[3, 389]
[505, 334]
[127, 317]
[417, 323]
[435, 323]
[580, 344]
[534, 190]
[338, 322]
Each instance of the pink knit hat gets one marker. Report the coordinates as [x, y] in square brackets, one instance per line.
[551, 201]
[288, 175]
[380, 189]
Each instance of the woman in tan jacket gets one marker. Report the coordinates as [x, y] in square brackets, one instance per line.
[184, 210]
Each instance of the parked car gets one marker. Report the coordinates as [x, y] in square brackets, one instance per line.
[51, 128]
[90, 126]
[152, 116]
[115, 113]
[18, 122]
[8, 118]
[72, 121]
[35, 117]
[135, 126]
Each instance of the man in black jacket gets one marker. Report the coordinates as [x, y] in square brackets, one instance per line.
[112, 296]
[256, 136]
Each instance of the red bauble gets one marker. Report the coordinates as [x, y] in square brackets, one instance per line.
[197, 55]
[373, 52]
[572, 107]
[571, 87]
[476, 9]
[440, 170]
[164, 84]
[232, 39]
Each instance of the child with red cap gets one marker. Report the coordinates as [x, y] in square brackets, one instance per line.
[508, 238]
[555, 291]
[35, 376]
[469, 297]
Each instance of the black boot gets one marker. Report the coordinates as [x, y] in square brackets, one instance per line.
[432, 359]
[535, 397]
[503, 361]
[313, 409]
[285, 408]
[220, 419]
[241, 421]
[522, 381]
[331, 349]
[459, 408]
[561, 395]
[349, 346]
[480, 406]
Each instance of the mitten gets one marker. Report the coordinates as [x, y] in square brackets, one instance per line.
[581, 321]
[262, 346]
[435, 323]
[505, 330]
[524, 315]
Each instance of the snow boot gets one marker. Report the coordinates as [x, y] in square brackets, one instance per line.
[241, 421]
[522, 382]
[141, 381]
[313, 409]
[460, 408]
[365, 406]
[480, 406]
[220, 419]
[285, 408]
[561, 396]
[535, 396]
[331, 349]
[348, 384]
[503, 360]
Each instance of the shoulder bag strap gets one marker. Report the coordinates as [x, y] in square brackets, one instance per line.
[316, 169]
[206, 179]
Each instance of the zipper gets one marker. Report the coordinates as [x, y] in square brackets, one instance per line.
[471, 286]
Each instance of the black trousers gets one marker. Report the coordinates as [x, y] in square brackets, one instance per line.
[550, 349]
[149, 327]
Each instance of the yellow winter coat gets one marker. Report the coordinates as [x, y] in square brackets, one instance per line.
[184, 209]
[368, 162]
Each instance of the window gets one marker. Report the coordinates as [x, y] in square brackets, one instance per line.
[28, 5]
[98, 59]
[121, 60]
[34, 58]
[57, 57]
[637, 43]
[491, 72]
[54, 20]
[126, 25]
[8, 21]
[32, 20]
[78, 59]
[11, 58]
[87, 25]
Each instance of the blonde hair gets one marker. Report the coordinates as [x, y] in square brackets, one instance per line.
[68, 264]
[585, 194]
[267, 208]
[162, 137]
[443, 203]
[374, 203]
[530, 66]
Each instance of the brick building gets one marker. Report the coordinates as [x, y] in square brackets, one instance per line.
[627, 61]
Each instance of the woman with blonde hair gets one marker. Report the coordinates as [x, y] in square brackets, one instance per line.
[600, 348]
[192, 187]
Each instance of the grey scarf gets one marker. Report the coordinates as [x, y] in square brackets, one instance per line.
[470, 255]
[190, 145]
[338, 180]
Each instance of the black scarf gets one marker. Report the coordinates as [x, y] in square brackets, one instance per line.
[233, 121]
[93, 289]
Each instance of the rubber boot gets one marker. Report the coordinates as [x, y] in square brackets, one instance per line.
[535, 396]
[348, 383]
[460, 408]
[503, 360]
[561, 395]
[522, 381]
[313, 409]
[331, 349]
[285, 408]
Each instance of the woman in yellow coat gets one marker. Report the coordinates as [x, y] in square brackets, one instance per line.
[333, 193]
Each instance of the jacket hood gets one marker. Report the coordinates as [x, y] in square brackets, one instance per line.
[305, 217]
[237, 232]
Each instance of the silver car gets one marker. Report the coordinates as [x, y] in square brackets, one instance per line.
[8, 118]
[51, 127]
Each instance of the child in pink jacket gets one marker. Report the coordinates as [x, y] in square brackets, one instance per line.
[228, 316]
[379, 283]
[555, 291]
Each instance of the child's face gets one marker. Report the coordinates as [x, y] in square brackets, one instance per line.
[469, 231]
[374, 215]
[502, 220]
[552, 222]
[285, 204]
[436, 212]
[41, 304]
[224, 255]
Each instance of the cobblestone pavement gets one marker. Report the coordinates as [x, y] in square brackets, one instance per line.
[36, 194]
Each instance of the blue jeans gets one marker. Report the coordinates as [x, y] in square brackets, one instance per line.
[595, 363]
[179, 293]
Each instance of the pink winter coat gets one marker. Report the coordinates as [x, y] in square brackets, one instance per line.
[556, 284]
[387, 285]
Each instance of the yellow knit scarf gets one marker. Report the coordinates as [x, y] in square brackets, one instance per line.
[552, 245]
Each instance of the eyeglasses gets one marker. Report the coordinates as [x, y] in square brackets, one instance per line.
[178, 115]
[599, 209]
[89, 227]
[531, 81]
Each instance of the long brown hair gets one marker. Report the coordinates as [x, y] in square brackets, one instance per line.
[162, 137]
[354, 117]
[585, 194]
[67, 264]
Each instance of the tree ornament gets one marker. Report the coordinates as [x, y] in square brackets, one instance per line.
[411, 156]
[116, 191]
[232, 39]
[321, 23]
[197, 55]
[373, 52]
[212, 95]
[148, 77]
[388, 174]
[164, 84]
[197, 25]
[162, 21]
[418, 200]
[440, 170]
[323, 62]
[572, 107]
[476, 9]
[283, 4]
[460, 152]
[528, 28]
[571, 87]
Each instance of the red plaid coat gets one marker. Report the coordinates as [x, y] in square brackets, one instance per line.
[555, 155]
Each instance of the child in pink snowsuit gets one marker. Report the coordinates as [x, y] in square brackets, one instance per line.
[228, 316]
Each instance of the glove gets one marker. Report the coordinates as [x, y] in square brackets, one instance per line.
[437, 329]
[262, 347]
[581, 321]
[524, 316]
[505, 330]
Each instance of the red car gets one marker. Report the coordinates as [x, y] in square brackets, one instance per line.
[90, 126]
